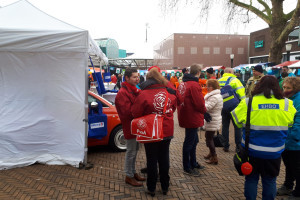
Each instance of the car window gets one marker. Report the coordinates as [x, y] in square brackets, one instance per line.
[92, 99]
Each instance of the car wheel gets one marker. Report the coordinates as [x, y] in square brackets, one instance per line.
[116, 140]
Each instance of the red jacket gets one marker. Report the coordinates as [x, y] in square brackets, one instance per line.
[124, 101]
[152, 100]
[192, 108]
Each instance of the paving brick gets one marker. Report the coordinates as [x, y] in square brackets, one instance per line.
[106, 179]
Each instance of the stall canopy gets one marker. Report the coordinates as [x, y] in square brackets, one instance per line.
[214, 68]
[43, 72]
[286, 63]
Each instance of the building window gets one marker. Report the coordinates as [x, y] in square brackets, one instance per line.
[180, 50]
[193, 50]
[228, 50]
[240, 50]
[205, 50]
[216, 50]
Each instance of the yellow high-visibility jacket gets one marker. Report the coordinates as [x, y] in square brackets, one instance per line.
[270, 119]
[235, 83]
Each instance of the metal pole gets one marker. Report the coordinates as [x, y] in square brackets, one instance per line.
[288, 55]
[231, 63]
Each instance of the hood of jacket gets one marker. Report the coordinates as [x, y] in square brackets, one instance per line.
[189, 77]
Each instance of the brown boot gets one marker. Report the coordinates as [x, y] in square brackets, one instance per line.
[132, 181]
[139, 178]
[208, 156]
[213, 160]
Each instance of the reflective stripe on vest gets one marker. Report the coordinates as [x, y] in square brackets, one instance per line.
[266, 149]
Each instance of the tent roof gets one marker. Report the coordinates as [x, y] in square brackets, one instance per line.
[21, 23]
[286, 63]
[24, 15]
[214, 67]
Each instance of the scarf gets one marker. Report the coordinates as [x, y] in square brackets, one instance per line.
[132, 88]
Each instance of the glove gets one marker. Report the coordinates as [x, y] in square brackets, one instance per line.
[207, 117]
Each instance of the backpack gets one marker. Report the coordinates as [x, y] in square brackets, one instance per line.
[230, 98]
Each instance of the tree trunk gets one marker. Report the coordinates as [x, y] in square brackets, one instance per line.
[277, 25]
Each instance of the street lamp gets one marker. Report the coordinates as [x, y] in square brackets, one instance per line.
[231, 58]
[288, 48]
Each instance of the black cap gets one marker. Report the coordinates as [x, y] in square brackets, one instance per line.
[258, 68]
[184, 70]
[210, 70]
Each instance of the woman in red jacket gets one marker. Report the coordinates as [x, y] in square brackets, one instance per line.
[152, 99]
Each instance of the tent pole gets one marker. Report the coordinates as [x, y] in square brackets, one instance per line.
[85, 164]
[86, 118]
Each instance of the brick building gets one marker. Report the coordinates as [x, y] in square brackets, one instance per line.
[260, 42]
[181, 50]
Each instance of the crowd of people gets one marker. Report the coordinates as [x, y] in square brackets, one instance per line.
[274, 120]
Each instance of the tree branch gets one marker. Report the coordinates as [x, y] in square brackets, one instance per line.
[267, 8]
[294, 20]
[256, 11]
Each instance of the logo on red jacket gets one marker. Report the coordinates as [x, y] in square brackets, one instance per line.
[159, 101]
[141, 124]
[182, 88]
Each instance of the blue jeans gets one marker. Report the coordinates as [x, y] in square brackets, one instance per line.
[189, 148]
[268, 185]
[132, 149]
[226, 118]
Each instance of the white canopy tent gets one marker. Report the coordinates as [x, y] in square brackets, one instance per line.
[43, 73]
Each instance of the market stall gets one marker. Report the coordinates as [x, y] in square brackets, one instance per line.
[43, 88]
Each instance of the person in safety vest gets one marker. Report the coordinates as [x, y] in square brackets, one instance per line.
[258, 73]
[291, 154]
[270, 117]
[236, 84]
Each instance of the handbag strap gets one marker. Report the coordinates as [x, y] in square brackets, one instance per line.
[166, 102]
[247, 128]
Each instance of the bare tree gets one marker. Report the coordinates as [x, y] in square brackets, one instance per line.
[271, 11]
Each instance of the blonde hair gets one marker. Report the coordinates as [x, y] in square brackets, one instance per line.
[213, 83]
[154, 74]
[194, 69]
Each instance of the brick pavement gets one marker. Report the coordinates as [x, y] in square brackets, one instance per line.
[106, 179]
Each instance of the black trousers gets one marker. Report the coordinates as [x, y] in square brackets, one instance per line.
[158, 152]
[291, 160]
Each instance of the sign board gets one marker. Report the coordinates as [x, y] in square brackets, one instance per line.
[259, 44]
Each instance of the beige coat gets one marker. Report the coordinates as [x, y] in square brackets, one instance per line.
[214, 105]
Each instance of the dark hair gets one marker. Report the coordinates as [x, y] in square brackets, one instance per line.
[284, 74]
[129, 71]
[202, 75]
[266, 86]
[285, 67]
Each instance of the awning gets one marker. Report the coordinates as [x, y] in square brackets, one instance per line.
[286, 63]
[214, 68]
[295, 64]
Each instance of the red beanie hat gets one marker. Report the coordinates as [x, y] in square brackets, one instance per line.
[246, 168]
[158, 69]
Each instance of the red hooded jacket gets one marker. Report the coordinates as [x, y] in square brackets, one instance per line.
[192, 108]
[124, 101]
[152, 100]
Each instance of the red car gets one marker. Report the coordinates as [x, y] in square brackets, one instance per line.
[115, 137]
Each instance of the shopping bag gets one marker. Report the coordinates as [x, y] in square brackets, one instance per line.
[148, 126]
[219, 140]
[142, 139]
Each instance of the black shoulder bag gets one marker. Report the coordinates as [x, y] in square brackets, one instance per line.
[241, 156]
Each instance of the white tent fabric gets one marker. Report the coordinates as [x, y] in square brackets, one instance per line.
[42, 88]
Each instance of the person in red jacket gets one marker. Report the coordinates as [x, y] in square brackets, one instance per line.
[152, 99]
[124, 101]
[191, 117]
